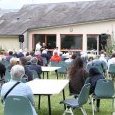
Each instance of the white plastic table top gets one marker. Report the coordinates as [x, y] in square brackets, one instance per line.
[48, 68]
[47, 86]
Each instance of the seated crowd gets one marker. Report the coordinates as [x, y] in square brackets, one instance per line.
[80, 68]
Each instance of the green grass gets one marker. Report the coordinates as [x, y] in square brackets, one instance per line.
[58, 109]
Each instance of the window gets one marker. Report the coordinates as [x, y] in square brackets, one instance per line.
[92, 42]
[50, 40]
[71, 42]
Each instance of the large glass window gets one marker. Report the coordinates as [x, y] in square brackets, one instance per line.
[50, 40]
[91, 42]
[39, 38]
[71, 42]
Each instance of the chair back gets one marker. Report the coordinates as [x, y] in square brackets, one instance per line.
[111, 69]
[53, 64]
[17, 105]
[63, 68]
[84, 94]
[87, 80]
[104, 88]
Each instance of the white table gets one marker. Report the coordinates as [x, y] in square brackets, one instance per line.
[49, 69]
[48, 87]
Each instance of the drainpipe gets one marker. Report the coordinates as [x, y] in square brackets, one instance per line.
[97, 45]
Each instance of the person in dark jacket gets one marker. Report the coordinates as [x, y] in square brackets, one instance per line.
[23, 62]
[34, 66]
[2, 70]
[95, 75]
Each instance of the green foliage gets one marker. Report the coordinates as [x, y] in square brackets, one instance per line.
[110, 49]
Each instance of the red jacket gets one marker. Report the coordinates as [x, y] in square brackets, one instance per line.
[55, 58]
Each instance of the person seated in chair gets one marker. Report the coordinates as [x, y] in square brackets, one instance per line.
[34, 66]
[2, 69]
[55, 58]
[23, 62]
[94, 76]
[21, 89]
[77, 76]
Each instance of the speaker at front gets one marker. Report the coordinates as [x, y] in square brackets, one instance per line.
[21, 38]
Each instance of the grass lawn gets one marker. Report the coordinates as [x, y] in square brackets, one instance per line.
[58, 109]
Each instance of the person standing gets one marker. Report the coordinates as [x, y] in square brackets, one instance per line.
[56, 50]
[38, 48]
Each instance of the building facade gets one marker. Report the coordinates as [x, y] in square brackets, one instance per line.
[68, 26]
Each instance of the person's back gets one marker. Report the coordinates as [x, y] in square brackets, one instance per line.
[77, 81]
[23, 62]
[77, 76]
[2, 70]
[35, 66]
[28, 73]
[55, 58]
[94, 75]
[21, 89]
[95, 63]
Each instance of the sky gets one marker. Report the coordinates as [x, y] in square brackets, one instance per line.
[17, 4]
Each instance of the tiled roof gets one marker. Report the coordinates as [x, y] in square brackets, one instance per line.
[56, 14]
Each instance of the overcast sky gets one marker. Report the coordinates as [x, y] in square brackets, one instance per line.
[17, 4]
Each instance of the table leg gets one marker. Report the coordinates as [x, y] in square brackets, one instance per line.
[47, 75]
[39, 100]
[49, 104]
[64, 98]
[56, 73]
[43, 75]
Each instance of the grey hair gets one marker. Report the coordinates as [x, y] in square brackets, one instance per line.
[13, 59]
[17, 72]
[34, 60]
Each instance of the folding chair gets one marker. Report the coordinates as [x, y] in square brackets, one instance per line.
[111, 71]
[63, 70]
[17, 105]
[77, 102]
[104, 90]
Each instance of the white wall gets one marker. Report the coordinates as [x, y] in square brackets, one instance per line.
[9, 42]
[83, 29]
[12, 42]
